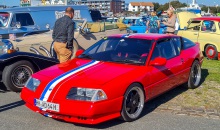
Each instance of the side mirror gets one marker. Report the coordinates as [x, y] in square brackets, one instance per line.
[48, 26]
[86, 30]
[79, 52]
[185, 28]
[83, 31]
[79, 27]
[159, 61]
[18, 25]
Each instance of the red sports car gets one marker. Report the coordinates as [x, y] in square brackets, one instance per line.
[114, 78]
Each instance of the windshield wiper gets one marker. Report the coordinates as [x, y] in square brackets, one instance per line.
[129, 61]
[85, 56]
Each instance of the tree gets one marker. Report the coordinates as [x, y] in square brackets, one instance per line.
[156, 6]
[204, 8]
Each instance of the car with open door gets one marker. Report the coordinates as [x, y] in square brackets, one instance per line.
[206, 31]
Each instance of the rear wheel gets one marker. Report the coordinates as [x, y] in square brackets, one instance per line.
[195, 75]
[16, 75]
[211, 52]
[133, 103]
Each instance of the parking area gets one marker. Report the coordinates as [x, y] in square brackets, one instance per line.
[156, 115]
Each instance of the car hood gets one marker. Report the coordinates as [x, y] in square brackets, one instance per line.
[184, 17]
[86, 71]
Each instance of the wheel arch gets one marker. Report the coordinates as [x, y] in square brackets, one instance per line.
[13, 60]
[142, 87]
[213, 44]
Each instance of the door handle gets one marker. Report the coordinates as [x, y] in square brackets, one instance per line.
[195, 33]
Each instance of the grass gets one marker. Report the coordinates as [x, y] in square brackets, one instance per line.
[211, 69]
[206, 95]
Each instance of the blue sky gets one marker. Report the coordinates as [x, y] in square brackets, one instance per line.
[205, 2]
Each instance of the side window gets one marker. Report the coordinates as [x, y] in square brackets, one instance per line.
[164, 48]
[177, 44]
[25, 19]
[208, 26]
[187, 43]
[194, 25]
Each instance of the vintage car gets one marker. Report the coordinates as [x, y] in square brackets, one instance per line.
[114, 77]
[206, 31]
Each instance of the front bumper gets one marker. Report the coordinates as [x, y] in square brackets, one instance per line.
[78, 111]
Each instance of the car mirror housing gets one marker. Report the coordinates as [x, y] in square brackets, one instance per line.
[79, 52]
[159, 61]
[18, 25]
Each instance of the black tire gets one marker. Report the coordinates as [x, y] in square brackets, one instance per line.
[133, 103]
[211, 52]
[195, 75]
[15, 76]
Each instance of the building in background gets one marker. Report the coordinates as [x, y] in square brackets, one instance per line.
[105, 6]
[126, 6]
[141, 6]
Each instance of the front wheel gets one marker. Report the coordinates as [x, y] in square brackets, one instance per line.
[211, 52]
[195, 75]
[16, 75]
[133, 103]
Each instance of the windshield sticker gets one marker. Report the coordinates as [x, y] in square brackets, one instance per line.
[62, 13]
[59, 14]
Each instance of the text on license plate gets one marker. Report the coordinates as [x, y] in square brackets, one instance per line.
[47, 105]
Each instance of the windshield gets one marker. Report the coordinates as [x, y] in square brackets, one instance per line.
[112, 20]
[120, 50]
[194, 24]
[4, 17]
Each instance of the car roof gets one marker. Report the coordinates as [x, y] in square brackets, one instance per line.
[150, 36]
[43, 8]
[208, 18]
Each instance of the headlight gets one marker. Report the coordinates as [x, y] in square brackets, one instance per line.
[86, 94]
[32, 84]
[6, 47]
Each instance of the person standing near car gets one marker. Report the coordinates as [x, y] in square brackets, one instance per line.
[63, 35]
[170, 23]
[153, 24]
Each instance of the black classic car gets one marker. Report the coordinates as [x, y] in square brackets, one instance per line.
[16, 66]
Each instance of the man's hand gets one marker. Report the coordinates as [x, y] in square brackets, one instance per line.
[69, 46]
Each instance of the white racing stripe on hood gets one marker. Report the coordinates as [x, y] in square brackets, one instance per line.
[50, 86]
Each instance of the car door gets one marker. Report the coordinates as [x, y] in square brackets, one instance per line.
[165, 77]
[181, 75]
[191, 31]
[26, 24]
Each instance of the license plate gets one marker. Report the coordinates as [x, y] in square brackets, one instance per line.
[47, 105]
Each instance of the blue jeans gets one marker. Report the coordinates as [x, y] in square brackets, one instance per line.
[153, 30]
